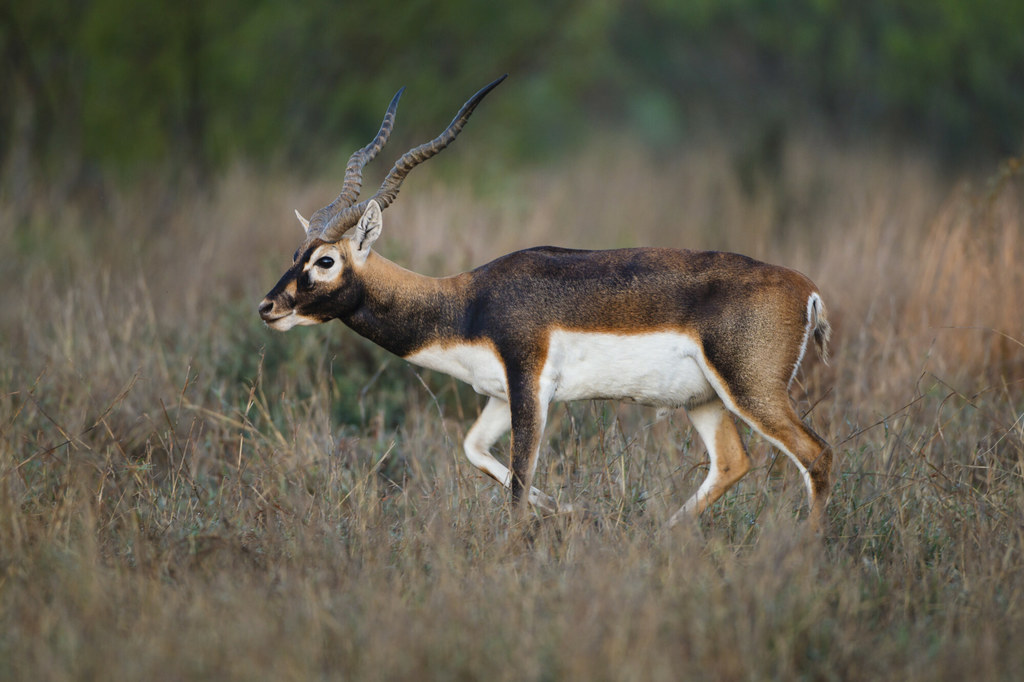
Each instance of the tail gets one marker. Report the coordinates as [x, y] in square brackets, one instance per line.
[818, 323]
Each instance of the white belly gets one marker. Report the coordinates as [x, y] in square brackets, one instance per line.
[659, 368]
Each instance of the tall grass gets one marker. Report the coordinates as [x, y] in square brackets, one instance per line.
[184, 493]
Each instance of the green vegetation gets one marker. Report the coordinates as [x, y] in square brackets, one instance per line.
[186, 494]
[123, 84]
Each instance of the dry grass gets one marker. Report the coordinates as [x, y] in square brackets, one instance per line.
[185, 494]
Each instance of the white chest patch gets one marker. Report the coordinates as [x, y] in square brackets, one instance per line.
[660, 368]
[475, 364]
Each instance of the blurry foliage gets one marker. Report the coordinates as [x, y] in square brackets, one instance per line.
[119, 84]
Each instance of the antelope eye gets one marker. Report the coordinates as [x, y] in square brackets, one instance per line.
[326, 262]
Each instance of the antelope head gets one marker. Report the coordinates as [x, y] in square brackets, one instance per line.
[324, 280]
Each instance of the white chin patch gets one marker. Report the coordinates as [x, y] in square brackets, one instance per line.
[283, 324]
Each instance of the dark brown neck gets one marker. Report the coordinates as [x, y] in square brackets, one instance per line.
[403, 311]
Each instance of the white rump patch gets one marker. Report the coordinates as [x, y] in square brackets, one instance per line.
[813, 306]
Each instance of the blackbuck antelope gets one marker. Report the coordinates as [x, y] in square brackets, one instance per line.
[716, 333]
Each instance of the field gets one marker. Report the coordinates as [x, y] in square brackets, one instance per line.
[186, 494]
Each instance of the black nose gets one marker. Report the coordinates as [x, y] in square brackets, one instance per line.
[265, 308]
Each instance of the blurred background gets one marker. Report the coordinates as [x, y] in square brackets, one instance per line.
[185, 494]
[104, 89]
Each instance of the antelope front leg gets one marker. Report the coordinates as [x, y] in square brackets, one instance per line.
[492, 424]
[528, 417]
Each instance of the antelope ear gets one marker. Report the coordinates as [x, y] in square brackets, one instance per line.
[305, 223]
[367, 230]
